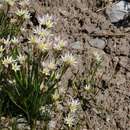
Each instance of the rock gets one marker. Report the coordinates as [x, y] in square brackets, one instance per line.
[21, 120]
[90, 28]
[122, 47]
[76, 45]
[52, 125]
[22, 124]
[64, 12]
[125, 62]
[118, 79]
[128, 76]
[38, 123]
[97, 43]
[118, 11]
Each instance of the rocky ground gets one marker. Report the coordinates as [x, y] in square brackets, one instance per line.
[88, 28]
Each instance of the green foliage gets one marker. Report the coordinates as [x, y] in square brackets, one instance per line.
[26, 93]
[6, 27]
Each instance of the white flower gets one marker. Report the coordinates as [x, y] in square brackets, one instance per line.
[41, 20]
[46, 20]
[60, 44]
[97, 57]
[41, 32]
[87, 87]
[42, 44]
[23, 29]
[56, 96]
[15, 40]
[57, 47]
[7, 61]
[43, 47]
[49, 65]
[69, 120]
[1, 49]
[23, 13]
[69, 59]
[26, 15]
[52, 65]
[15, 67]
[21, 58]
[20, 12]
[10, 2]
[74, 105]
[6, 41]
[49, 24]
[46, 71]
[42, 109]
[33, 39]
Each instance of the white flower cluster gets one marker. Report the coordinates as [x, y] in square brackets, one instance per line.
[41, 60]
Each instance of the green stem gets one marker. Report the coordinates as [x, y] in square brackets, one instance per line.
[33, 125]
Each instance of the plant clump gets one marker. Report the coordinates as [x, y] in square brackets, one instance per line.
[33, 62]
